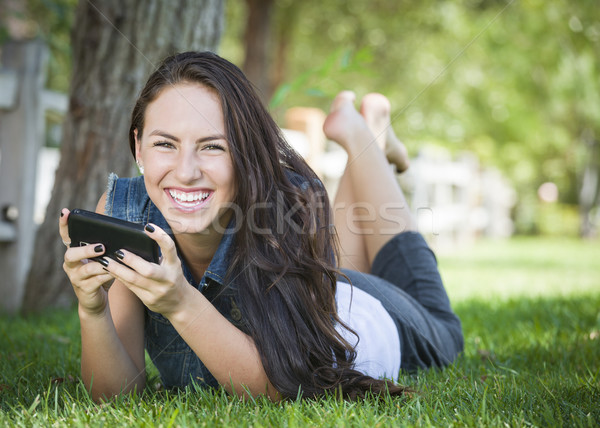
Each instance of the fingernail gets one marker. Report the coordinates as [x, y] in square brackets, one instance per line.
[149, 228]
[62, 214]
[120, 254]
[98, 248]
[103, 261]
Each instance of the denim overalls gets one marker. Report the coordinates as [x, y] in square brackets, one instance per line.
[404, 278]
[177, 364]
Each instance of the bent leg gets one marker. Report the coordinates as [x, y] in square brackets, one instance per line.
[376, 110]
[352, 248]
[371, 206]
[407, 282]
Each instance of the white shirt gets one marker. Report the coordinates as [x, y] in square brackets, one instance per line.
[378, 350]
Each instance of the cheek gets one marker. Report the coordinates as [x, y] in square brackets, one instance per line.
[151, 185]
[221, 171]
[157, 165]
[227, 178]
[153, 176]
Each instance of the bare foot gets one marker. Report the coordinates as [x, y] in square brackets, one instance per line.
[344, 122]
[375, 108]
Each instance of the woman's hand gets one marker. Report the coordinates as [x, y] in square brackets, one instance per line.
[161, 287]
[89, 279]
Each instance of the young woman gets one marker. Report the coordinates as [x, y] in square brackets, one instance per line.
[249, 294]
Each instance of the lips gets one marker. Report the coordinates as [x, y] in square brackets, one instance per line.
[189, 199]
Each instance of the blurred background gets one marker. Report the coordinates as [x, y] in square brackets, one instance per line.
[497, 101]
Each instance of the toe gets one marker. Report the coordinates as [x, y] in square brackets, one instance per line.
[343, 98]
[375, 104]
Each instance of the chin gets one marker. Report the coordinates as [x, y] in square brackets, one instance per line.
[184, 227]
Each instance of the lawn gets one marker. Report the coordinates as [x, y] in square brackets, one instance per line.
[531, 317]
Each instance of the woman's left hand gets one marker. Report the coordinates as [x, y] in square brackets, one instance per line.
[161, 287]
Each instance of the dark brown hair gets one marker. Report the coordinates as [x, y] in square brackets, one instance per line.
[286, 277]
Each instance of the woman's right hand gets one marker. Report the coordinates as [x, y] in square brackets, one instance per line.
[89, 279]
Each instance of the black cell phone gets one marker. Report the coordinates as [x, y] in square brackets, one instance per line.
[87, 227]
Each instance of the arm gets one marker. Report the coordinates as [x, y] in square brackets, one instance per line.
[229, 354]
[112, 345]
[112, 322]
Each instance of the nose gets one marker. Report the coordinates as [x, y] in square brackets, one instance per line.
[188, 168]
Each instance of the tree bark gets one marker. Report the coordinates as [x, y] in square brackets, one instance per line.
[257, 45]
[287, 22]
[116, 44]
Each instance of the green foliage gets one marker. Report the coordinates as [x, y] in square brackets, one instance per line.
[50, 20]
[558, 220]
[326, 79]
[514, 81]
[55, 20]
[530, 359]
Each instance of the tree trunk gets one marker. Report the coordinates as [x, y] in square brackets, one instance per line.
[257, 45]
[287, 22]
[116, 44]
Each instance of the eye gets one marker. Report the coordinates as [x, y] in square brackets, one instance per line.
[213, 146]
[165, 144]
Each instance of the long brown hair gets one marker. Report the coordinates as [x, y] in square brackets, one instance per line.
[283, 262]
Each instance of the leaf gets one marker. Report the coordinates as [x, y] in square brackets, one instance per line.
[315, 92]
[280, 95]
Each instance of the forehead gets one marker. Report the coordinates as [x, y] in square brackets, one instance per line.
[185, 106]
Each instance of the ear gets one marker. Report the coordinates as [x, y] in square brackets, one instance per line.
[138, 145]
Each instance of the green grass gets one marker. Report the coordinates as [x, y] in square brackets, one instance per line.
[530, 310]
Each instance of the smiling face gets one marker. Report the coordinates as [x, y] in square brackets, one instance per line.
[188, 170]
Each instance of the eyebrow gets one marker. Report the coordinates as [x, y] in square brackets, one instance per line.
[174, 138]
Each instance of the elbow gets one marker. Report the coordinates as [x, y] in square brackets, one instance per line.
[101, 393]
[245, 391]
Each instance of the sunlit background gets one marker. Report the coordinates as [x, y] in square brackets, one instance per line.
[501, 98]
[498, 103]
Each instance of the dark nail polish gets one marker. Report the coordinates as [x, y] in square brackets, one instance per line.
[150, 228]
[120, 254]
[103, 261]
[62, 214]
[98, 248]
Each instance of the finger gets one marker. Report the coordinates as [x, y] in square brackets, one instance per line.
[164, 241]
[89, 288]
[63, 227]
[88, 276]
[121, 271]
[146, 288]
[75, 255]
[137, 264]
[92, 276]
[137, 283]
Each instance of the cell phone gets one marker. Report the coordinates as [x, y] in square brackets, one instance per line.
[87, 227]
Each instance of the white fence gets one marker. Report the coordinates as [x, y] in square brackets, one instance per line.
[456, 200]
[26, 167]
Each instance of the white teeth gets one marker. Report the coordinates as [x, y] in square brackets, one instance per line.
[188, 197]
